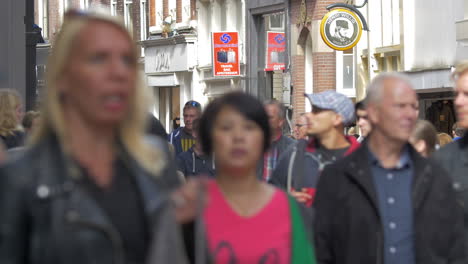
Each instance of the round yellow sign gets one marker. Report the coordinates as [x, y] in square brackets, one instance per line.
[341, 29]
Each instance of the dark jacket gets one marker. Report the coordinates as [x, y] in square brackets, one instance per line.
[300, 166]
[48, 218]
[454, 158]
[14, 140]
[347, 225]
[154, 127]
[190, 164]
[282, 144]
[175, 138]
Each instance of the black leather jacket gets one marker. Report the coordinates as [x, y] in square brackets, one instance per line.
[45, 218]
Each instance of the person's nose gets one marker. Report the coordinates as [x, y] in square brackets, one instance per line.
[238, 135]
[119, 68]
[460, 100]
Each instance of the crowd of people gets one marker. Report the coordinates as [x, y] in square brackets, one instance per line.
[100, 181]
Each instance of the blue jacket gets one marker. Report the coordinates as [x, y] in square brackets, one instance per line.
[190, 164]
[175, 138]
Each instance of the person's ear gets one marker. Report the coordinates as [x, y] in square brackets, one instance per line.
[372, 113]
[337, 120]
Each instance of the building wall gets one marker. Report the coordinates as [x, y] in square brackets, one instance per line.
[427, 29]
[413, 36]
[307, 47]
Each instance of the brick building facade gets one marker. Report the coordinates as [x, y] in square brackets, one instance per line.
[313, 64]
[49, 14]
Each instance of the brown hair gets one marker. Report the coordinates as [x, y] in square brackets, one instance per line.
[425, 131]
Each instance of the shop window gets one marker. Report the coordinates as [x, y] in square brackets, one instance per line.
[276, 22]
[143, 24]
[345, 73]
[67, 4]
[113, 7]
[128, 14]
[84, 4]
[43, 19]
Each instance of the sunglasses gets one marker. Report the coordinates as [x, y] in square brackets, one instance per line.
[193, 104]
[73, 13]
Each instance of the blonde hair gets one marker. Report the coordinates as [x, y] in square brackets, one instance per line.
[444, 139]
[460, 69]
[131, 129]
[9, 102]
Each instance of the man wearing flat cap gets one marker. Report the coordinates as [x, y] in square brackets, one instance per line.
[299, 168]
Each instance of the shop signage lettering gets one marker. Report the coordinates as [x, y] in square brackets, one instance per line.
[163, 61]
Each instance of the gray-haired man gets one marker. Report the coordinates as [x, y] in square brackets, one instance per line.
[385, 203]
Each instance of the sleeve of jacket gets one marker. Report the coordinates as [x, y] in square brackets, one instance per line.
[279, 176]
[457, 254]
[168, 178]
[181, 164]
[13, 219]
[324, 206]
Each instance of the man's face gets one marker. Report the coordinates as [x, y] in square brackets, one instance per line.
[461, 100]
[321, 121]
[395, 114]
[363, 122]
[276, 122]
[343, 32]
[190, 114]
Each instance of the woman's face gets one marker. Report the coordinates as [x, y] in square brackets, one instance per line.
[237, 142]
[100, 77]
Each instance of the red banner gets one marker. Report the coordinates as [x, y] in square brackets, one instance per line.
[276, 51]
[225, 54]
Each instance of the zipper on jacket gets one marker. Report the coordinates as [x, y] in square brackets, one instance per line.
[114, 237]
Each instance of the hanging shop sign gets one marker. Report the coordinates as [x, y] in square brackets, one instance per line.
[225, 54]
[276, 51]
[341, 29]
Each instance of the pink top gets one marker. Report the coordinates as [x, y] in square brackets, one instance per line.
[260, 239]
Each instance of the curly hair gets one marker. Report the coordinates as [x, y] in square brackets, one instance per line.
[9, 103]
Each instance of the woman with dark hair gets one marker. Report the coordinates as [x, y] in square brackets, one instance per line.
[424, 138]
[247, 220]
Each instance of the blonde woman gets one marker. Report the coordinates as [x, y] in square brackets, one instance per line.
[11, 114]
[444, 139]
[90, 186]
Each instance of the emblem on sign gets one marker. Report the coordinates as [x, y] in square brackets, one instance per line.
[341, 29]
